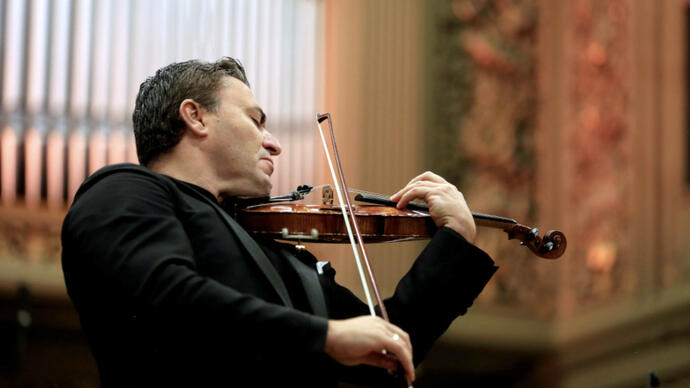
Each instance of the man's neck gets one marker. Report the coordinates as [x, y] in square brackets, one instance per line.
[185, 169]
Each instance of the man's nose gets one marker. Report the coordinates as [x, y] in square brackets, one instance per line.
[271, 143]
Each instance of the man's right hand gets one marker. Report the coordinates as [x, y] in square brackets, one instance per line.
[361, 340]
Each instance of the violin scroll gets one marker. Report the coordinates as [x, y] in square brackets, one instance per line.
[551, 246]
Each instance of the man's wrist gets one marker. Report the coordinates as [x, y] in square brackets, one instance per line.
[468, 232]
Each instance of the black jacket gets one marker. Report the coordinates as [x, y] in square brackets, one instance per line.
[171, 291]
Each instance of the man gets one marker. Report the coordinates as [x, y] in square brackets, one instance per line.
[171, 291]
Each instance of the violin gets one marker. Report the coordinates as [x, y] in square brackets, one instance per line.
[378, 220]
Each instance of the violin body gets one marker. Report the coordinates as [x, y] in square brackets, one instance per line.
[377, 223]
[324, 223]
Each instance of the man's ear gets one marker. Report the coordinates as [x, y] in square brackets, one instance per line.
[194, 117]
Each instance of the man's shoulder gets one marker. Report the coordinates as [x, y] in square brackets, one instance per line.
[122, 188]
[114, 178]
[120, 171]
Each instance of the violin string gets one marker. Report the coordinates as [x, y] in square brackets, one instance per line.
[377, 195]
[356, 191]
[355, 251]
[319, 186]
[316, 187]
[369, 193]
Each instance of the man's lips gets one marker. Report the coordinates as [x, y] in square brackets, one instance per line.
[269, 161]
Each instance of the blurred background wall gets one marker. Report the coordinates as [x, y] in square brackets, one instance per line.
[565, 115]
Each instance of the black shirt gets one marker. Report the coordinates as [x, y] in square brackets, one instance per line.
[270, 248]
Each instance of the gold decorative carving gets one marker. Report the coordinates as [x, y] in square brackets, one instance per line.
[30, 235]
[598, 157]
[484, 114]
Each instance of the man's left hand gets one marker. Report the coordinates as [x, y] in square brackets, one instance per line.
[447, 205]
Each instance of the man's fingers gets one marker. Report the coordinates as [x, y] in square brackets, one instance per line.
[398, 344]
[415, 185]
[403, 351]
[381, 360]
[419, 191]
[362, 340]
[426, 176]
[390, 363]
[402, 333]
[399, 334]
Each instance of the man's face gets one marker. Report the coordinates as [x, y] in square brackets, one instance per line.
[240, 148]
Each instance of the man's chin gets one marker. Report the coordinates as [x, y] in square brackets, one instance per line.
[259, 186]
[263, 189]
[268, 186]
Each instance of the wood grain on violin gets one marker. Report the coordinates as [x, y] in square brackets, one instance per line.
[322, 223]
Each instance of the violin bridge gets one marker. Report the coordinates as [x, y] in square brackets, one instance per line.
[327, 195]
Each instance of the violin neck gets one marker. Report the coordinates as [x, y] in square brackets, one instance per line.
[381, 199]
[481, 219]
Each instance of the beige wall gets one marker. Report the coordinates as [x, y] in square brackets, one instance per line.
[373, 88]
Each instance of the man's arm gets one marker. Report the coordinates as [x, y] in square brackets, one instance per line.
[445, 279]
[122, 238]
[443, 283]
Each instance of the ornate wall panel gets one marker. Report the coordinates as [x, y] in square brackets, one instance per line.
[598, 154]
[483, 111]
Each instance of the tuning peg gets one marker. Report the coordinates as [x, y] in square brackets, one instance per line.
[548, 247]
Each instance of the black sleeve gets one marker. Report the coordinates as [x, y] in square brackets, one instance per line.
[442, 284]
[126, 253]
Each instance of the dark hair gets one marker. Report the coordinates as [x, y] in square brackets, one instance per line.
[156, 118]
